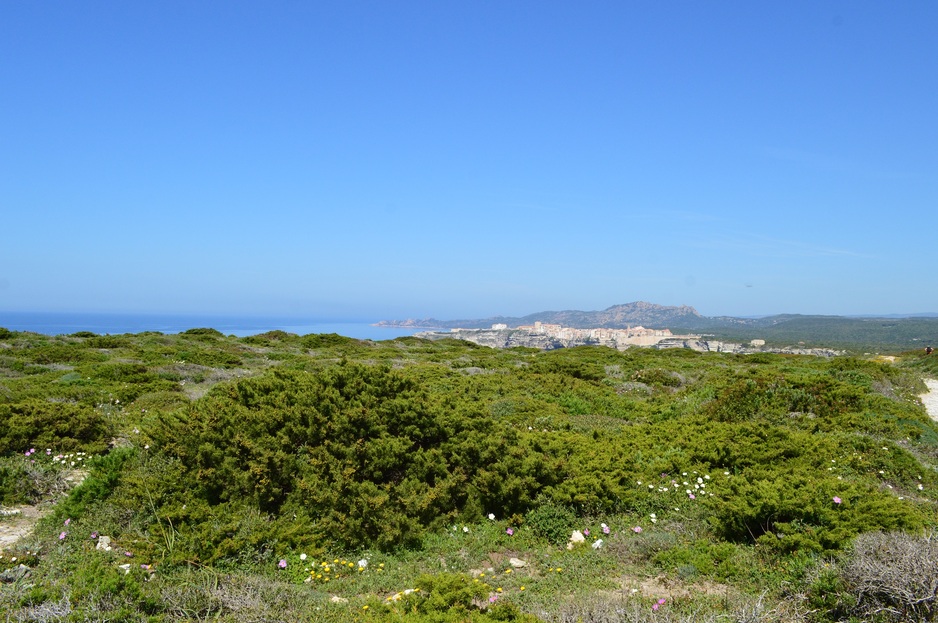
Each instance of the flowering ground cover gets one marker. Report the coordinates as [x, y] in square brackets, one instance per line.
[283, 477]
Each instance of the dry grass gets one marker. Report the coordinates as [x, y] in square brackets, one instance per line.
[894, 575]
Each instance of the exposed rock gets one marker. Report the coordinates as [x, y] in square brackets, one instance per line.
[517, 563]
[576, 538]
[104, 543]
[338, 600]
[510, 338]
[14, 574]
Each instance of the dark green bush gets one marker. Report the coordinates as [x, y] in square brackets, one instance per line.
[271, 337]
[23, 481]
[452, 598]
[656, 376]
[704, 557]
[361, 456]
[551, 521]
[107, 341]
[61, 426]
[203, 332]
[585, 371]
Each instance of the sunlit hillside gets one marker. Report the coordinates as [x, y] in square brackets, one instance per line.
[320, 478]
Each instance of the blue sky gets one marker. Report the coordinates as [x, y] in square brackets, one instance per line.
[372, 160]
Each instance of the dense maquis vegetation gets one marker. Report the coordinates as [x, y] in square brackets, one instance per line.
[282, 477]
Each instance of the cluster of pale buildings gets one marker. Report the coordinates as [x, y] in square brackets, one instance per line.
[616, 338]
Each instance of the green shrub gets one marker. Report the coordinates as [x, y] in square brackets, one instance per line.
[709, 558]
[106, 341]
[203, 332]
[325, 340]
[105, 473]
[28, 480]
[551, 521]
[657, 376]
[359, 456]
[451, 598]
[60, 426]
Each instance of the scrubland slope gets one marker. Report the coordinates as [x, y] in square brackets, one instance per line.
[283, 477]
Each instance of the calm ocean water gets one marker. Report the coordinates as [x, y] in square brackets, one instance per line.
[63, 323]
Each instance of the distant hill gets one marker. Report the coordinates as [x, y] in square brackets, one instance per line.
[888, 332]
[615, 317]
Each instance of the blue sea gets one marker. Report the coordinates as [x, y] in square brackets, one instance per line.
[50, 323]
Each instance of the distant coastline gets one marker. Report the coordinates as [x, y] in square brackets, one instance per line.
[63, 323]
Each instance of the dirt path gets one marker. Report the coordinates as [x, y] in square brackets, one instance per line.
[17, 523]
[930, 400]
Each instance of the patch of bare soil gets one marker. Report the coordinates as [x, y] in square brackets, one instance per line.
[930, 400]
[669, 588]
[18, 522]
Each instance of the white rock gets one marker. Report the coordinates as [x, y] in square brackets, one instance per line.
[104, 543]
[517, 563]
[576, 539]
[338, 600]
[597, 544]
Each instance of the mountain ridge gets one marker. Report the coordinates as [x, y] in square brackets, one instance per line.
[615, 316]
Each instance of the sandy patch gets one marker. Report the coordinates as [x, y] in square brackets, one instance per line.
[18, 522]
[930, 400]
[670, 588]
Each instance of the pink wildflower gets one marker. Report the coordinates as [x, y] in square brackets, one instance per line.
[509, 531]
[837, 500]
[68, 521]
[637, 529]
[62, 535]
[282, 564]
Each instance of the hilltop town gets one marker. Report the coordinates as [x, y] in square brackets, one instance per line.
[549, 336]
[619, 339]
